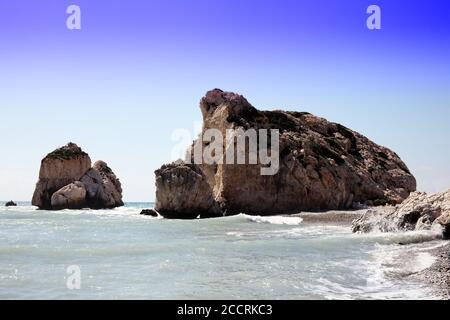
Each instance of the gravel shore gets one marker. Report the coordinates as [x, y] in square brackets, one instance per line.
[438, 275]
[330, 217]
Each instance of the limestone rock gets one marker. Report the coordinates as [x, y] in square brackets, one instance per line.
[72, 196]
[444, 221]
[66, 175]
[419, 211]
[183, 192]
[11, 204]
[323, 165]
[103, 188]
[58, 169]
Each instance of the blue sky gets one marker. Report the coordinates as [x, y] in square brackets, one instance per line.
[136, 71]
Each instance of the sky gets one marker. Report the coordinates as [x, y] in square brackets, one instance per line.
[136, 70]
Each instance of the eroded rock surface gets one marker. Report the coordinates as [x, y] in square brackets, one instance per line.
[59, 169]
[419, 211]
[323, 165]
[184, 192]
[72, 196]
[67, 181]
[103, 188]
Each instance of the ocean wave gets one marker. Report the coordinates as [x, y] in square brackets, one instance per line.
[279, 220]
[402, 237]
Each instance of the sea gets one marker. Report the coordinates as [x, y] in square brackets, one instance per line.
[119, 254]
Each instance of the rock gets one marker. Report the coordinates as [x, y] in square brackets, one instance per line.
[103, 188]
[183, 192]
[59, 169]
[323, 166]
[72, 196]
[10, 204]
[444, 221]
[66, 175]
[419, 211]
[150, 212]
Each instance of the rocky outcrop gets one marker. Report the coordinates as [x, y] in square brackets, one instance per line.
[10, 204]
[67, 181]
[184, 192]
[102, 186]
[419, 212]
[322, 165]
[59, 169]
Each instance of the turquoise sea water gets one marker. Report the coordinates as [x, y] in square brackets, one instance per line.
[122, 255]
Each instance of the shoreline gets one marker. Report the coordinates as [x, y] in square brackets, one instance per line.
[438, 275]
[335, 217]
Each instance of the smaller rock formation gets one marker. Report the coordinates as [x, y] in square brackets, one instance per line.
[11, 204]
[67, 181]
[150, 212]
[419, 211]
[183, 192]
[59, 169]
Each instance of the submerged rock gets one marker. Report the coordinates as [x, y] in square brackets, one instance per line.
[322, 166]
[150, 212]
[419, 212]
[11, 204]
[67, 181]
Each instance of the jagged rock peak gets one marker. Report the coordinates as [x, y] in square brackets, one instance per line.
[213, 99]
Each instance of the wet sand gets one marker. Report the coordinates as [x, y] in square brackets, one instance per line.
[330, 217]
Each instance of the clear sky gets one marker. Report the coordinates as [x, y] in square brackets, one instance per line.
[136, 71]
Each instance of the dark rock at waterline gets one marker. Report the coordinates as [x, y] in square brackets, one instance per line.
[11, 204]
[149, 212]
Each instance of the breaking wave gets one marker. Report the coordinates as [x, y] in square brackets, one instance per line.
[279, 220]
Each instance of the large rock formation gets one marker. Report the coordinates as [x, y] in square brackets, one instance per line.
[322, 165]
[419, 212]
[67, 181]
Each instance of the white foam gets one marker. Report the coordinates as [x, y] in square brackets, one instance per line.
[279, 220]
